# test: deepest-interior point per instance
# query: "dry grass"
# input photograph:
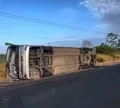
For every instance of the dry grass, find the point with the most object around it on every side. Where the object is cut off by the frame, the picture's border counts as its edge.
(2, 71)
(117, 56)
(2, 66)
(107, 58)
(104, 58)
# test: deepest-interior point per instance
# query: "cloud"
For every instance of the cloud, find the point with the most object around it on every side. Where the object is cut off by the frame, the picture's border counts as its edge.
(66, 43)
(65, 37)
(107, 11)
(77, 43)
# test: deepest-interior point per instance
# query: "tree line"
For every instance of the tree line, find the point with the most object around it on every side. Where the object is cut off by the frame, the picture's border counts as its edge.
(109, 47)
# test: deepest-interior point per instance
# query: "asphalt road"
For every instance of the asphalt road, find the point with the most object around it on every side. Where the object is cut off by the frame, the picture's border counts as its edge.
(97, 88)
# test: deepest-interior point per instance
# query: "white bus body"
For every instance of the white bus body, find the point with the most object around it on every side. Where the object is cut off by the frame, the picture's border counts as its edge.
(26, 62)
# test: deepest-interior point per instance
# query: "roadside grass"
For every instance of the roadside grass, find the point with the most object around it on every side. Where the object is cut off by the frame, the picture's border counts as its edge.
(117, 56)
(2, 58)
(104, 58)
(2, 66)
(2, 71)
(107, 58)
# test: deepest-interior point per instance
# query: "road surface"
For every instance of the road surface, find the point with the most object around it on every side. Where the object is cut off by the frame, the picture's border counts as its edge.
(97, 88)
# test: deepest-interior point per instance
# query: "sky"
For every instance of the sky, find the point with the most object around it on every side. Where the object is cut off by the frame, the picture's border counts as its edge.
(93, 18)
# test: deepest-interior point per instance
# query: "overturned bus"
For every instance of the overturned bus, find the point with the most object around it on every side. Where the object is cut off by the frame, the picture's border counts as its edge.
(34, 62)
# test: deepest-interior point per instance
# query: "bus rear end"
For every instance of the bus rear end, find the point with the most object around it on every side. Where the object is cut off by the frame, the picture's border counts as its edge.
(17, 61)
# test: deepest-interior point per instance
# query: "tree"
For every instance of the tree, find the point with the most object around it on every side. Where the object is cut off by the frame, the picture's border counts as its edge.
(118, 44)
(87, 44)
(112, 39)
(102, 44)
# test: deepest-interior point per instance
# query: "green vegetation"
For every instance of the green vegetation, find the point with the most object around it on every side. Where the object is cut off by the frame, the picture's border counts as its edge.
(111, 45)
(110, 50)
(105, 49)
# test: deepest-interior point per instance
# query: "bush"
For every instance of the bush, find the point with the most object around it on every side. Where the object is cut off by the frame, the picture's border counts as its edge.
(105, 49)
(104, 58)
(100, 59)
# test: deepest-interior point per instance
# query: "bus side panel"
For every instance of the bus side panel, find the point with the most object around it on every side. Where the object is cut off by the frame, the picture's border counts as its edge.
(65, 59)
